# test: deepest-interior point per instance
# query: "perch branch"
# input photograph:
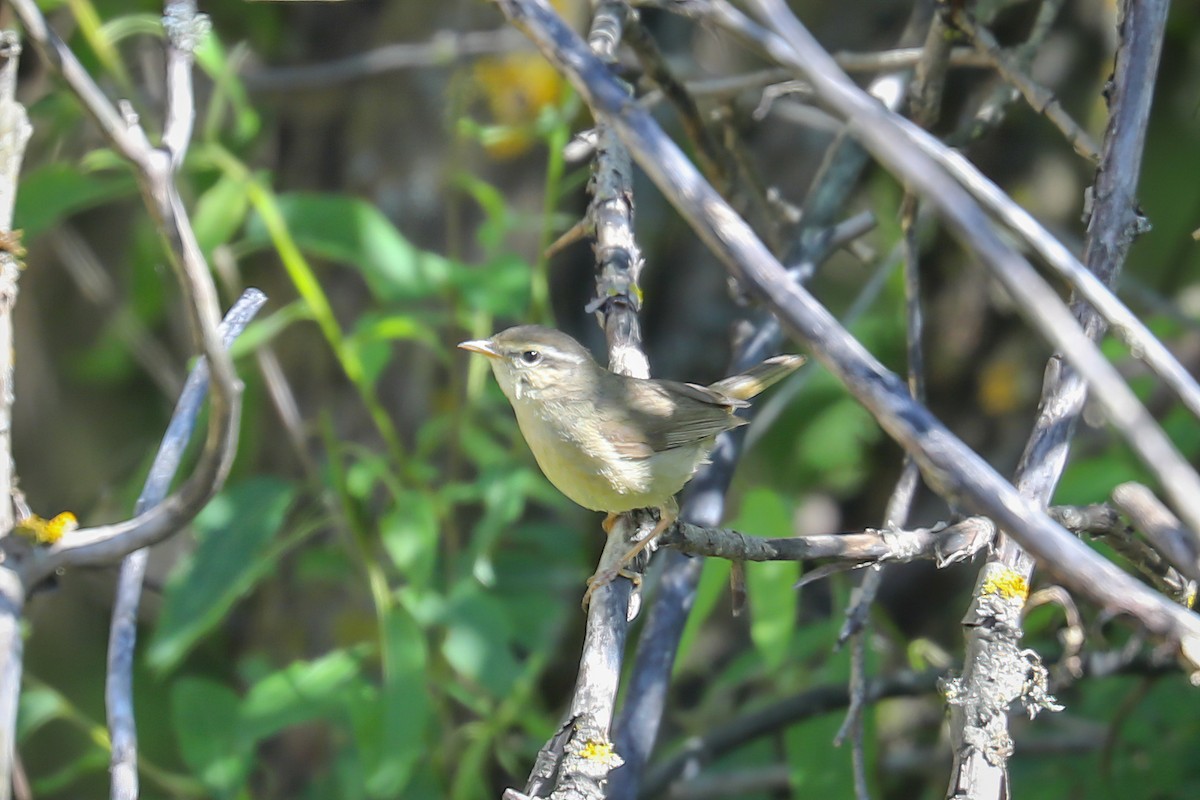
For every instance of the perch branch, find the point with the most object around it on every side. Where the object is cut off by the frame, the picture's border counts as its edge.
(952, 468)
(905, 149)
(587, 752)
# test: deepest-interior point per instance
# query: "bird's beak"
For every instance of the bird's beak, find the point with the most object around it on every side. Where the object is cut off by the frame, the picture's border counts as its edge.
(482, 346)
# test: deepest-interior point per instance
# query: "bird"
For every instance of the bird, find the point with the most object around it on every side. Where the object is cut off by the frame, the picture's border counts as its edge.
(611, 442)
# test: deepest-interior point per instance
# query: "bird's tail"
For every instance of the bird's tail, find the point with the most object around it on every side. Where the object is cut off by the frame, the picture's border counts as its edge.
(758, 378)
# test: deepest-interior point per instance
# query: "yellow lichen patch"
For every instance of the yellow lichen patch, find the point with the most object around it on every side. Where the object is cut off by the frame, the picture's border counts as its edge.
(1009, 584)
(597, 751)
(10, 242)
(47, 531)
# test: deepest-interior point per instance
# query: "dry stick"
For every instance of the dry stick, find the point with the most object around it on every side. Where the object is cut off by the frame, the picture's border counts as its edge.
(122, 637)
(896, 514)
(1040, 99)
(1104, 521)
(95, 284)
(587, 753)
(992, 109)
(637, 724)
(979, 722)
(14, 133)
(956, 471)
(944, 544)
(154, 169)
(1159, 525)
(917, 158)
(778, 716)
(899, 145)
(445, 48)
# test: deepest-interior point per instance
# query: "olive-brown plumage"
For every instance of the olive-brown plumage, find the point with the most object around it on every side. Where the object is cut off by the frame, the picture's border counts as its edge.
(611, 442)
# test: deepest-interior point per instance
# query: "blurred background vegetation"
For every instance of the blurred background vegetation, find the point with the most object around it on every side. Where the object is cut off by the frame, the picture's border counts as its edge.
(384, 600)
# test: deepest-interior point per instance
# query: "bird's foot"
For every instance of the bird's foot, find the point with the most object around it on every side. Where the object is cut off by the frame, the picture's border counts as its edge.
(603, 577)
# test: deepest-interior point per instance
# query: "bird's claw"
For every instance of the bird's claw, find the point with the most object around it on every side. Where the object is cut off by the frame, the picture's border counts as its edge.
(604, 577)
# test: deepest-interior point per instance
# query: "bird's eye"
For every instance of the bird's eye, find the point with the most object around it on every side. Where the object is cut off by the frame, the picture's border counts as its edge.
(531, 357)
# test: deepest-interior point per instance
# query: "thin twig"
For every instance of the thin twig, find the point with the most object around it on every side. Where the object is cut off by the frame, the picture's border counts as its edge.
(154, 168)
(715, 160)
(979, 723)
(898, 510)
(588, 755)
(778, 715)
(948, 464)
(1102, 521)
(118, 687)
(1040, 99)
(445, 48)
(1160, 526)
(945, 544)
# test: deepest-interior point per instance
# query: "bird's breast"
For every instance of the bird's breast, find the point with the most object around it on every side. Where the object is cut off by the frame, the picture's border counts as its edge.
(583, 464)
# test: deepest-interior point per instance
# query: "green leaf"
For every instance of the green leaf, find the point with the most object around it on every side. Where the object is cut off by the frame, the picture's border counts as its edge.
(261, 331)
(834, 443)
(302, 691)
(37, 708)
(390, 725)
(205, 718)
(353, 232)
(410, 536)
(501, 287)
(478, 640)
(769, 586)
(228, 90)
(119, 28)
(220, 212)
(714, 579)
(57, 190)
(815, 768)
(235, 530)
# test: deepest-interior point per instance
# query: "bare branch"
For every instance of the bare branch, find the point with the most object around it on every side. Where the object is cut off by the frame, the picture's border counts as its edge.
(122, 637)
(14, 133)
(979, 722)
(1040, 99)
(1160, 526)
(945, 544)
(779, 715)
(154, 168)
(587, 754)
(445, 48)
(953, 468)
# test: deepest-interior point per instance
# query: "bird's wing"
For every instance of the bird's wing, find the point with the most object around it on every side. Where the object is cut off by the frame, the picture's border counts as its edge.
(671, 414)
